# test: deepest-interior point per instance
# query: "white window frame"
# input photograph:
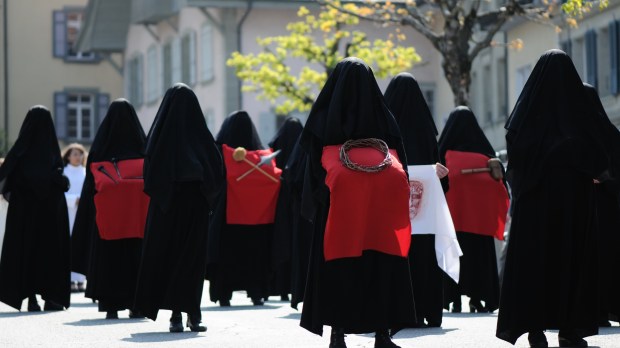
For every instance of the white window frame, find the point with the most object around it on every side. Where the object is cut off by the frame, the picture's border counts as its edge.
(79, 107)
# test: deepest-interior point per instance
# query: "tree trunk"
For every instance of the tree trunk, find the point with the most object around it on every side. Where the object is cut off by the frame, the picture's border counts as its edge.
(458, 74)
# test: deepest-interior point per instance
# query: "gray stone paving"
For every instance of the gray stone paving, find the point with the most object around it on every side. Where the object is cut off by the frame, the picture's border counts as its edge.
(273, 326)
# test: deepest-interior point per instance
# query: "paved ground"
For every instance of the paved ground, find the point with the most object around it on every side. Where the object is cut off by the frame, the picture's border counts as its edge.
(275, 325)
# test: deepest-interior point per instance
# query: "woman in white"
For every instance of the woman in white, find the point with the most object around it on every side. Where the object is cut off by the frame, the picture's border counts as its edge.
(74, 158)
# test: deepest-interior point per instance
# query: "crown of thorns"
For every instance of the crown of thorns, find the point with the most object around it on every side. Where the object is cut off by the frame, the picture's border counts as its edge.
(374, 143)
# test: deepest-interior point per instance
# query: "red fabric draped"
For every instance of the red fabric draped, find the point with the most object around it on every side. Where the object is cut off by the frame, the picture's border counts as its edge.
(478, 203)
(251, 200)
(368, 211)
(120, 201)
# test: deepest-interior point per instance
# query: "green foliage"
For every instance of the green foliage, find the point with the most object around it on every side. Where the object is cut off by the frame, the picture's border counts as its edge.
(317, 40)
(577, 8)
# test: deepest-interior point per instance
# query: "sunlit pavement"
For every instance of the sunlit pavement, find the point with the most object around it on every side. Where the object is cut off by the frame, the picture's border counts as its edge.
(242, 325)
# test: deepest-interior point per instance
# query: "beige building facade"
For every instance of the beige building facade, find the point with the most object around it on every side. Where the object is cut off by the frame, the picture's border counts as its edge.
(189, 41)
(43, 67)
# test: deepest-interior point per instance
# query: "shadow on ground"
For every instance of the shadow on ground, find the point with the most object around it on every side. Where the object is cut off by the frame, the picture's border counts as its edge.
(102, 321)
(151, 337)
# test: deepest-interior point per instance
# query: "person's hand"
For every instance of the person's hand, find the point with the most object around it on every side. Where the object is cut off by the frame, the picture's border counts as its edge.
(596, 181)
(77, 201)
(441, 170)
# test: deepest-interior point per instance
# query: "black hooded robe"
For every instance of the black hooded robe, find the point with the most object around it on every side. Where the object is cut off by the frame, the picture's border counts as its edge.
(550, 277)
(479, 278)
(281, 247)
(182, 176)
(608, 214)
(239, 255)
(358, 294)
(406, 102)
(36, 252)
(111, 266)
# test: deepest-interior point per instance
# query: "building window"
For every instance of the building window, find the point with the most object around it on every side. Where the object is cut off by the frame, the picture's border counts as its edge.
(135, 81)
(167, 66)
(67, 25)
(152, 84)
(521, 76)
(78, 114)
(188, 58)
(206, 53)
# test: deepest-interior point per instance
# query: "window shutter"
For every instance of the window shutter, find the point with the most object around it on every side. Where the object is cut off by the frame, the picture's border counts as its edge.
(192, 58)
(614, 58)
(206, 45)
(591, 58)
(103, 103)
(60, 114)
(176, 61)
(566, 46)
(60, 34)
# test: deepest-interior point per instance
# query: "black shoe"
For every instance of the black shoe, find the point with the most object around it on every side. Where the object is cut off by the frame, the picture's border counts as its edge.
(176, 322)
(51, 306)
(33, 305)
(336, 340)
(433, 323)
(604, 323)
(537, 339)
(111, 315)
(257, 301)
(476, 306)
(135, 315)
(383, 340)
(284, 298)
(194, 324)
(570, 339)
(224, 303)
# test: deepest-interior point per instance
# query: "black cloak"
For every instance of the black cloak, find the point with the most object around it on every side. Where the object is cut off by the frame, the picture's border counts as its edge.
(281, 247)
(35, 254)
(550, 277)
(406, 101)
(479, 277)
(361, 294)
(182, 176)
(111, 266)
(608, 213)
(239, 255)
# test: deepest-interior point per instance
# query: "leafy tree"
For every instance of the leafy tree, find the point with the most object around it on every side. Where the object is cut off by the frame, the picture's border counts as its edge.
(460, 29)
(322, 41)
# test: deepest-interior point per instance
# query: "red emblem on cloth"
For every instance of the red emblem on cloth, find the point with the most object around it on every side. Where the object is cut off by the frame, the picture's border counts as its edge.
(415, 198)
(252, 199)
(478, 203)
(368, 211)
(120, 201)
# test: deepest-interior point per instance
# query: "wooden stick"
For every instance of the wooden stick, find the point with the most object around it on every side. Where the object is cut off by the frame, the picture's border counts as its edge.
(475, 170)
(259, 169)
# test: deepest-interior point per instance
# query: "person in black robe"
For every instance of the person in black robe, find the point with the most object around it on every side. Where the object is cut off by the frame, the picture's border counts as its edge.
(479, 278)
(111, 266)
(406, 102)
(608, 214)
(550, 277)
(301, 228)
(281, 247)
(182, 176)
(372, 292)
(239, 255)
(36, 252)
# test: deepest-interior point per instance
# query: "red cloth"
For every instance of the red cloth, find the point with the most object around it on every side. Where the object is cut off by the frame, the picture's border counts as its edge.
(368, 211)
(478, 203)
(251, 200)
(120, 201)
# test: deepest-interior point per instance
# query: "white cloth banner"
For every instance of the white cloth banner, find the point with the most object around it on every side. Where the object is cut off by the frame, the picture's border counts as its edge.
(429, 214)
(4, 208)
